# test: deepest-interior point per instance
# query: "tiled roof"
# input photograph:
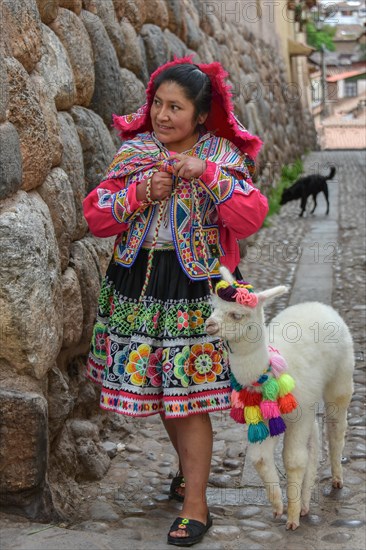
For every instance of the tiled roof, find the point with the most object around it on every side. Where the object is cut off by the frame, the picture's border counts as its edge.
(346, 74)
(339, 69)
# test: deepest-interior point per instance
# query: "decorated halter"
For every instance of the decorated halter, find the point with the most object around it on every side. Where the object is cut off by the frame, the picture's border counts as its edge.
(261, 403)
(238, 291)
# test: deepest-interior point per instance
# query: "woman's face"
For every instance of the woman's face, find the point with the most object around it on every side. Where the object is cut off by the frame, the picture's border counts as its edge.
(173, 118)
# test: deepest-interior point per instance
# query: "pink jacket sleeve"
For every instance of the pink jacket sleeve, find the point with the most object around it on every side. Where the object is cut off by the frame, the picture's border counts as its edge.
(110, 207)
(241, 209)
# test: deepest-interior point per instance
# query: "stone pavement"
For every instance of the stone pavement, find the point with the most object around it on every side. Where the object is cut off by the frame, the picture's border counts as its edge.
(318, 257)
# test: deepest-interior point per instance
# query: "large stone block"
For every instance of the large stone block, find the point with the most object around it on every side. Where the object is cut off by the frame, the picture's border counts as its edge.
(24, 454)
(71, 31)
(47, 10)
(93, 459)
(10, 160)
(133, 91)
(30, 286)
(4, 90)
(86, 266)
(101, 250)
(155, 46)
(25, 112)
(73, 5)
(177, 23)
(133, 59)
(97, 145)
(176, 47)
(57, 193)
(73, 164)
(73, 308)
(105, 10)
(195, 36)
(48, 106)
(108, 95)
(119, 7)
(56, 69)
(157, 13)
(60, 400)
(135, 12)
(23, 26)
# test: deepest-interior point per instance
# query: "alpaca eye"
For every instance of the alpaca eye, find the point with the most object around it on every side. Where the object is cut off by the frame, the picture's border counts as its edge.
(236, 316)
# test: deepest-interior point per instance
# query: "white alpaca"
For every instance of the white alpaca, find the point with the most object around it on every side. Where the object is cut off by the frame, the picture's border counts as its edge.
(318, 348)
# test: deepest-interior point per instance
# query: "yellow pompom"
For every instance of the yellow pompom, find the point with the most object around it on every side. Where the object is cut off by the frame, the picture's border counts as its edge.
(221, 284)
(252, 415)
(286, 384)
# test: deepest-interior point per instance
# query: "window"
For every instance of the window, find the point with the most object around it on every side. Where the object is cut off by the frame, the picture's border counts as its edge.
(350, 88)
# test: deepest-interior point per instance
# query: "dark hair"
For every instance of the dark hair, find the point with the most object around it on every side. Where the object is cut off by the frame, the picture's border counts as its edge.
(195, 84)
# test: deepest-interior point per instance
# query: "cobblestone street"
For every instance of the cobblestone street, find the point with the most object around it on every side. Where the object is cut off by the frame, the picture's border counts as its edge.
(318, 257)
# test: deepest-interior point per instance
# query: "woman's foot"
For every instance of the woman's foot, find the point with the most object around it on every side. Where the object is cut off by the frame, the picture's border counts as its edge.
(197, 513)
(186, 532)
(177, 487)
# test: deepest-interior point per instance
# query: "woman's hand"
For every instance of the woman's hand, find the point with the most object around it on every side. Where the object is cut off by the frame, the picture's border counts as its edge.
(160, 187)
(188, 167)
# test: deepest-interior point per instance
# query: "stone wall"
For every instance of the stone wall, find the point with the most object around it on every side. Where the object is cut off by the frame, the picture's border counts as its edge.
(65, 67)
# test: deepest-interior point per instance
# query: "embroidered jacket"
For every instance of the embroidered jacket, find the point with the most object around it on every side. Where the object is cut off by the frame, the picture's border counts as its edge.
(230, 208)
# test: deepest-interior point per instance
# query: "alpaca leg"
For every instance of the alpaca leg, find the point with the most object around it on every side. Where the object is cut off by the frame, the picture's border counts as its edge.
(310, 473)
(296, 458)
(262, 457)
(336, 424)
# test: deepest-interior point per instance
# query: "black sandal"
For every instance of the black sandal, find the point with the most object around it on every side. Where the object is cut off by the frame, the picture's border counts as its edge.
(177, 481)
(196, 531)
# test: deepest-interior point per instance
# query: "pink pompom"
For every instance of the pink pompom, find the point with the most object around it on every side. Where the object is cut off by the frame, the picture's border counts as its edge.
(278, 364)
(269, 409)
(246, 298)
(235, 399)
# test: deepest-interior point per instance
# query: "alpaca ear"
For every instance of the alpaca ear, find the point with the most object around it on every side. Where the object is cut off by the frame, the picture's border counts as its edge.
(226, 275)
(271, 293)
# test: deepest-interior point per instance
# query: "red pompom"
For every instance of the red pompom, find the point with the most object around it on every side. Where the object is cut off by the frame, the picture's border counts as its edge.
(237, 415)
(250, 398)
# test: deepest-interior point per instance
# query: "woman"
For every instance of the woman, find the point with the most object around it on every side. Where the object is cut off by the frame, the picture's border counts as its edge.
(178, 195)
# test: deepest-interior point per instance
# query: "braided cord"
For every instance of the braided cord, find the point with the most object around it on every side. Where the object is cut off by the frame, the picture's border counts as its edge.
(201, 233)
(162, 210)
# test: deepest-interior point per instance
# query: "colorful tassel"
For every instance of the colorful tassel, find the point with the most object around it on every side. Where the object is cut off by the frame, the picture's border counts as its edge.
(265, 401)
(252, 415)
(234, 383)
(257, 432)
(286, 384)
(269, 409)
(237, 415)
(235, 400)
(287, 403)
(250, 398)
(276, 426)
(278, 364)
(270, 389)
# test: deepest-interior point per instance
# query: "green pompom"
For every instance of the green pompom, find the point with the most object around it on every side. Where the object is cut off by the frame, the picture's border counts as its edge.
(270, 389)
(286, 384)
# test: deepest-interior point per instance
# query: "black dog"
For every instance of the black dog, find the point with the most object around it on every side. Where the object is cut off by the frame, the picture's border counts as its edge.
(309, 185)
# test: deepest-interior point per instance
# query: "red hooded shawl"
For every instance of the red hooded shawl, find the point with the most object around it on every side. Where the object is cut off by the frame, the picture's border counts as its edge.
(221, 120)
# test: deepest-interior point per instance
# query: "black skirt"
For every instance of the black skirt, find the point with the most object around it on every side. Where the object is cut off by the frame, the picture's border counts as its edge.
(152, 355)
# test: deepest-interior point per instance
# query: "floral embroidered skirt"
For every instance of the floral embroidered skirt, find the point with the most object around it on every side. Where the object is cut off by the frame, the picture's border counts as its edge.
(154, 356)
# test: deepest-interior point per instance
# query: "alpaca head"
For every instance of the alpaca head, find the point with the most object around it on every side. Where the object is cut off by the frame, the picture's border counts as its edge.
(238, 310)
